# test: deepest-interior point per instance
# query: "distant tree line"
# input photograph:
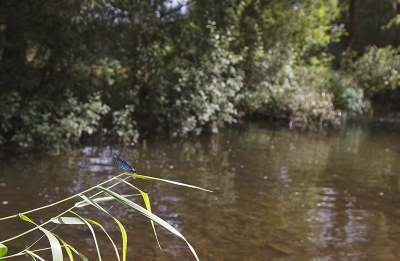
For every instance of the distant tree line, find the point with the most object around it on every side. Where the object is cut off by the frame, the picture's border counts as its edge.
(122, 68)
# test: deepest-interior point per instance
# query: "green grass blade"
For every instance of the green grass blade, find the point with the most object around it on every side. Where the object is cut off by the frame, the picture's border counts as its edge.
(66, 247)
(93, 203)
(54, 243)
(84, 221)
(3, 250)
(146, 200)
(84, 258)
(99, 200)
(124, 238)
(78, 220)
(68, 221)
(164, 180)
(109, 237)
(149, 215)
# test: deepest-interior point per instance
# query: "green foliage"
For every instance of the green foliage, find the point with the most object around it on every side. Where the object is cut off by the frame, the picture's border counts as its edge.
(204, 91)
(348, 96)
(124, 124)
(176, 68)
(377, 69)
(3, 250)
(57, 128)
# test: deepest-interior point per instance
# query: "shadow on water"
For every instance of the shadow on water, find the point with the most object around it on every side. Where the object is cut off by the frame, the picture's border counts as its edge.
(278, 195)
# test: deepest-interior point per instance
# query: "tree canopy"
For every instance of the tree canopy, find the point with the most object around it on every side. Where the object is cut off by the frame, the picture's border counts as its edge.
(125, 68)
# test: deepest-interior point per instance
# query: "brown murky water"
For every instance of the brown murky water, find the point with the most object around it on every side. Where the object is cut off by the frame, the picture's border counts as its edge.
(278, 195)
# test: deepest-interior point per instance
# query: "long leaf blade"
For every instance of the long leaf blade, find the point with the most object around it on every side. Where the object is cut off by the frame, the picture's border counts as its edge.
(54, 243)
(124, 238)
(84, 221)
(78, 220)
(150, 215)
(93, 203)
(164, 180)
(146, 200)
(84, 258)
(68, 221)
(109, 237)
(84, 203)
(66, 247)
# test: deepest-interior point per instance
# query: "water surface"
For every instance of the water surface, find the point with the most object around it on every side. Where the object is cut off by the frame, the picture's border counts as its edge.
(278, 194)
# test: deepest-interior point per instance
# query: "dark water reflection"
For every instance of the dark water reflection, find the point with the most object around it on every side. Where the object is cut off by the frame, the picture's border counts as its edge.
(278, 195)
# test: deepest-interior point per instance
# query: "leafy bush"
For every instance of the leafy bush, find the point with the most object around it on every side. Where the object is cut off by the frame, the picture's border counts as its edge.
(204, 92)
(348, 96)
(285, 87)
(124, 125)
(376, 69)
(55, 126)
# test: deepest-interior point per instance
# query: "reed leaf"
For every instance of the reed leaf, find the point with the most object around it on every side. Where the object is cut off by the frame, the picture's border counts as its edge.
(84, 221)
(3, 250)
(79, 221)
(54, 243)
(93, 203)
(150, 215)
(134, 175)
(84, 203)
(84, 258)
(147, 204)
(124, 238)
(66, 247)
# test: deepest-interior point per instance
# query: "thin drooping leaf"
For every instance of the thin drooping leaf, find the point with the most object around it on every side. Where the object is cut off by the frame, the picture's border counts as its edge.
(93, 203)
(3, 250)
(150, 215)
(109, 237)
(68, 249)
(82, 221)
(148, 206)
(99, 200)
(164, 180)
(124, 238)
(54, 243)
(78, 221)
(84, 258)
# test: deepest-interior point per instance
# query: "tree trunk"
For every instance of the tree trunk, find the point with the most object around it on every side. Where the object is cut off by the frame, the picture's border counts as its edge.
(352, 29)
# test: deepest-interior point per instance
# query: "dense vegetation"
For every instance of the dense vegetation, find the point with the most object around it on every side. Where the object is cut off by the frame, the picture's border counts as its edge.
(124, 68)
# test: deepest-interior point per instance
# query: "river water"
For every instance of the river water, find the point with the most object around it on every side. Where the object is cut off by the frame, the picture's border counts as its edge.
(277, 195)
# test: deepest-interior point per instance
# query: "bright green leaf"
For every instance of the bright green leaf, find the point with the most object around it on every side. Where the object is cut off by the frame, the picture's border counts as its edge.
(99, 200)
(124, 238)
(148, 206)
(165, 180)
(54, 243)
(150, 215)
(3, 250)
